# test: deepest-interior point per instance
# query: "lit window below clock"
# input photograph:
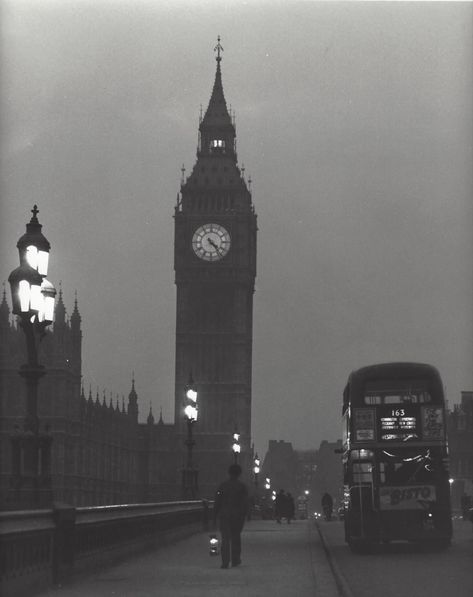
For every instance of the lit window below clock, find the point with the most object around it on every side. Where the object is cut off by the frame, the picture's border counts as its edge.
(217, 144)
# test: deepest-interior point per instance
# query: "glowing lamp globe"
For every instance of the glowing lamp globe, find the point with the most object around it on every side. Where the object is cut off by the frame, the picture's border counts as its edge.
(49, 294)
(191, 395)
(191, 412)
(25, 283)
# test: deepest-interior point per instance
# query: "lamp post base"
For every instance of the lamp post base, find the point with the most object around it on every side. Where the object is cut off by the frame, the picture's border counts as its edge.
(190, 488)
(30, 482)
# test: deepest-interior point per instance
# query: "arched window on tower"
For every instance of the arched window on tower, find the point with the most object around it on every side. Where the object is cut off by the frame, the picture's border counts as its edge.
(217, 145)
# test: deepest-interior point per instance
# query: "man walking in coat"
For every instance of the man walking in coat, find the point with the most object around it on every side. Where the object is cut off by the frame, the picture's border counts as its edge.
(231, 507)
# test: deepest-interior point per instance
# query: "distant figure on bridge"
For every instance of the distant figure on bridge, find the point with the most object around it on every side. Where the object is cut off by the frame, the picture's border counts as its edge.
(280, 505)
(291, 508)
(231, 508)
(327, 506)
(466, 504)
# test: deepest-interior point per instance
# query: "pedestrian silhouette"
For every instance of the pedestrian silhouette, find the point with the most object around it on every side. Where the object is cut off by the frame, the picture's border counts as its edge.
(291, 508)
(231, 508)
(279, 505)
(327, 505)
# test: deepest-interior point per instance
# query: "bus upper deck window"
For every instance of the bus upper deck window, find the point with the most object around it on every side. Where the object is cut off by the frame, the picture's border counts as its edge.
(407, 398)
(373, 399)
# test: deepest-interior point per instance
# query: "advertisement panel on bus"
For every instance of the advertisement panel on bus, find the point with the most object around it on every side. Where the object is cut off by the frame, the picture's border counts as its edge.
(408, 497)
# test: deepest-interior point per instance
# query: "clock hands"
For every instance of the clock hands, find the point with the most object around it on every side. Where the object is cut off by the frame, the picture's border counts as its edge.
(218, 248)
(211, 242)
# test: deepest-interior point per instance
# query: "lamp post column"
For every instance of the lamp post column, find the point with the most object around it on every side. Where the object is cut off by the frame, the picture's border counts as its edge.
(236, 447)
(256, 471)
(33, 303)
(190, 472)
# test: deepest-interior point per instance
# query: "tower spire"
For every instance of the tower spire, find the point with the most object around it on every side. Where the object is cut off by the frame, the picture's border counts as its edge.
(217, 114)
(218, 48)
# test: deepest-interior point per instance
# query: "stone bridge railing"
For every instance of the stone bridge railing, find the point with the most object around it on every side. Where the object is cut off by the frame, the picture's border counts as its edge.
(40, 548)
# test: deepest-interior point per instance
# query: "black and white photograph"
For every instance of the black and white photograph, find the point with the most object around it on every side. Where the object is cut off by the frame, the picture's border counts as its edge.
(236, 312)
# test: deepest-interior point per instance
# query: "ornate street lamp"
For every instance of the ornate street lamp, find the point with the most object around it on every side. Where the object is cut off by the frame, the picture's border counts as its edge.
(236, 447)
(190, 473)
(33, 302)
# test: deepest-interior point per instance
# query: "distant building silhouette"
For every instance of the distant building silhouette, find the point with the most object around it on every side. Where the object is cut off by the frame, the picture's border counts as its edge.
(460, 443)
(280, 465)
(328, 475)
(298, 471)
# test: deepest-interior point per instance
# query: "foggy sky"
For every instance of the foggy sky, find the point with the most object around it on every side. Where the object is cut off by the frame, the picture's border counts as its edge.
(354, 122)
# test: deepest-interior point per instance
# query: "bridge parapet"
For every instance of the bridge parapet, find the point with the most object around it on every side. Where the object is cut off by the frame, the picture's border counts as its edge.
(39, 548)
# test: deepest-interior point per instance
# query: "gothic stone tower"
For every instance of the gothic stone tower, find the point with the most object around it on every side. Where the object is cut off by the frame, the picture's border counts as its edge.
(215, 268)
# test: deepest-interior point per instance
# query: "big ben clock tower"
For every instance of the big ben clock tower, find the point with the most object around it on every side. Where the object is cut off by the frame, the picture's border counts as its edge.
(215, 267)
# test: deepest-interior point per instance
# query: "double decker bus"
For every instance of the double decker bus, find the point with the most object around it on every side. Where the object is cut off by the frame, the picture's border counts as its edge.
(395, 456)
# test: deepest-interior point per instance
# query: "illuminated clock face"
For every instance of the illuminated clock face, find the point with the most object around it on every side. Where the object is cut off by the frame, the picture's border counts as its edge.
(211, 242)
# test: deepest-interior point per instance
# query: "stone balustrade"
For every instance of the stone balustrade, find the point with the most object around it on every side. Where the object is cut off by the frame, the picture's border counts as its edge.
(40, 548)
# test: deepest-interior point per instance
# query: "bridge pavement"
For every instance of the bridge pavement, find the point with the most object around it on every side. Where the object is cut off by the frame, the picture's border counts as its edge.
(277, 561)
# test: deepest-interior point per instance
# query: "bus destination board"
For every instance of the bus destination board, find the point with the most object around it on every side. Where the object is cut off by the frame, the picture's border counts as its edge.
(398, 423)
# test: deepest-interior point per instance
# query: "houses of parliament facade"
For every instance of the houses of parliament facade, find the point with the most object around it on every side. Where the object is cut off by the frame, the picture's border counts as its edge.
(100, 452)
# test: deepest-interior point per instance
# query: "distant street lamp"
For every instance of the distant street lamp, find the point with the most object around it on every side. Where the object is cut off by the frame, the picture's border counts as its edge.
(33, 302)
(256, 470)
(236, 447)
(190, 473)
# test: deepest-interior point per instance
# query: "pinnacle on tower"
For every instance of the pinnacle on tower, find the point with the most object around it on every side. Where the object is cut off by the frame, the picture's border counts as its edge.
(133, 399)
(75, 317)
(60, 309)
(150, 419)
(4, 311)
